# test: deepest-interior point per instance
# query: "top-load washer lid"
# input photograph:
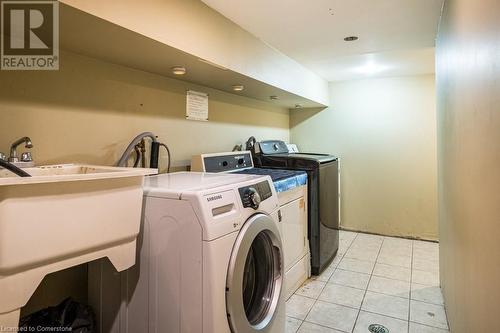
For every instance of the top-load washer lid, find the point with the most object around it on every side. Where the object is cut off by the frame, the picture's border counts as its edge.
(278, 149)
(173, 185)
(321, 158)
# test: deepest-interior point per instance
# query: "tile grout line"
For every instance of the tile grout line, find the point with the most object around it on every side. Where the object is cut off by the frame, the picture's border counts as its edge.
(355, 308)
(341, 257)
(411, 281)
(343, 285)
(328, 327)
(315, 301)
(386, 316)
(366, 290)
(442, 305)
(350, 244)
(434, 327)
(369, 311)
(326, 282)
(359, 310)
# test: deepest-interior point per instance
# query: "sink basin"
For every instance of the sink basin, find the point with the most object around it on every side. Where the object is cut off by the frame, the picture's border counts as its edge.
(69, 172)
(62, 216)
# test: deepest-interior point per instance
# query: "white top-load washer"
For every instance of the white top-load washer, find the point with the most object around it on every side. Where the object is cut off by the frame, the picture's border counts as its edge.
(210, 260)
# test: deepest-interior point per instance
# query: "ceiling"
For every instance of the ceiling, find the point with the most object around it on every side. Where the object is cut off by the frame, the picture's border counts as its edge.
(395, 37)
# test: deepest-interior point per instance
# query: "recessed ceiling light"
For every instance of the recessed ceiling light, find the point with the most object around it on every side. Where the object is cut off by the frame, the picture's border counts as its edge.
(351, 38)
(273, 97)
(178, 70)
(237, 87)
(371, 68)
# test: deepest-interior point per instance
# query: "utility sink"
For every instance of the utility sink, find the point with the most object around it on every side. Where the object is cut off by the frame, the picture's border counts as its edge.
(69, 172)
(62, 216)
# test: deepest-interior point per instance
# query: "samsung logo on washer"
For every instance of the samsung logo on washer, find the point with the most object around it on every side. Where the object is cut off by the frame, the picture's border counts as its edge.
(215, 197)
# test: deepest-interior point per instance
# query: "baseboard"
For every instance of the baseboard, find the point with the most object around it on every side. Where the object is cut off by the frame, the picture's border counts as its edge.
(378, 234)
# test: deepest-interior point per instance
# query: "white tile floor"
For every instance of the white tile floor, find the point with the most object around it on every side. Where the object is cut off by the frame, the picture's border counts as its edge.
(389, 281)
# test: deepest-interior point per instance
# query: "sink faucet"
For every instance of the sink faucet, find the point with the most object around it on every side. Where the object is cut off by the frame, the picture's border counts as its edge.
(137, 140)
(13, 158)
(13, 168)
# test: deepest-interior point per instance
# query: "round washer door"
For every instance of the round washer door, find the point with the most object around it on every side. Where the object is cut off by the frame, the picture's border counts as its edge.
(255, 276)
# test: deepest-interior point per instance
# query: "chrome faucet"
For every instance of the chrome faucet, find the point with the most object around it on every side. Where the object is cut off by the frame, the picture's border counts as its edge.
(26, 157)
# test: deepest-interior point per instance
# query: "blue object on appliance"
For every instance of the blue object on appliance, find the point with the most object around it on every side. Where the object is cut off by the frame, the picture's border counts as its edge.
(284, 180)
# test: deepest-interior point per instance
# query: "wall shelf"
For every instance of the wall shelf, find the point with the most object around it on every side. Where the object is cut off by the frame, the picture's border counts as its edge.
(85, 34)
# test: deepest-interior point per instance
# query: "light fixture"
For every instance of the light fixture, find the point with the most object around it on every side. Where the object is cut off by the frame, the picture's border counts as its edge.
(298, 106)
(178, 70)
(238, 87)
(370, 68)
(273, 97)
(351, 38)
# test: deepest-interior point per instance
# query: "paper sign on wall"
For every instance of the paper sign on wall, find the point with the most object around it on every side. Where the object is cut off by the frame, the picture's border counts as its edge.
(196, 106)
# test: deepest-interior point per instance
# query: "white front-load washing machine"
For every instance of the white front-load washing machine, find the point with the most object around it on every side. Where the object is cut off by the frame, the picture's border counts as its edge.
(209, 260)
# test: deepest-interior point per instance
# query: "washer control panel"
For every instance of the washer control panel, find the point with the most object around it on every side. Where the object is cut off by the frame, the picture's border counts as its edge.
(270, 147)
(253, 195)
(227, 161)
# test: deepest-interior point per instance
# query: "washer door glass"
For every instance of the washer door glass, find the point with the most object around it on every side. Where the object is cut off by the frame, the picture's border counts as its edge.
(258, 278)
(255, 276)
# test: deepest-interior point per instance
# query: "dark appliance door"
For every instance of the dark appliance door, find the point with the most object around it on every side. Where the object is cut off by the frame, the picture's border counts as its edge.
(328, 213)
(323, 204)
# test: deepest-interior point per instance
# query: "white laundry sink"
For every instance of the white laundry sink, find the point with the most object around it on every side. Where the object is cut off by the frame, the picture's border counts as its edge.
(62, 216)
(69, 172)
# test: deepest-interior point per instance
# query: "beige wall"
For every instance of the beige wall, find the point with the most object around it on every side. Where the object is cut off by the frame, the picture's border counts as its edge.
(468, 88)
(90, 110)
(384, 131)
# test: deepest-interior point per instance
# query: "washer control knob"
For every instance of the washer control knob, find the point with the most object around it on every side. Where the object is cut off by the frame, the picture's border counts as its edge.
(254, 197)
